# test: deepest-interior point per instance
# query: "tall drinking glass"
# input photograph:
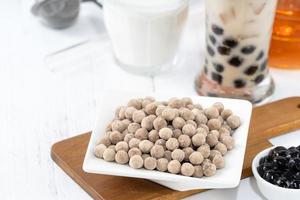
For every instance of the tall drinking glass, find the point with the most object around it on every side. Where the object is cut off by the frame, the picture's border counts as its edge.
(145, 34)
(238, 35)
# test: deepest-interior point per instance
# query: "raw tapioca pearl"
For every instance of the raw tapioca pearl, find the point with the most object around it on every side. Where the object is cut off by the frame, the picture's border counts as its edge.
(217, 29)
(210, 51)
(248, 49)
(223, 50)
(212, 39)
(239, 83)
(259, 79)
(236, 61)
(260, 55)
(263, 66)
(217, 77)
(251, 70)
(230, 42)
(218, 67)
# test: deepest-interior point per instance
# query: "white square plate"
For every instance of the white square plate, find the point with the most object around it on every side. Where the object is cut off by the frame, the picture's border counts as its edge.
(227, 177)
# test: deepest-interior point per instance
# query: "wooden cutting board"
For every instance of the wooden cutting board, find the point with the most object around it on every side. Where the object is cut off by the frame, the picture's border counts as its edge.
(267, 121)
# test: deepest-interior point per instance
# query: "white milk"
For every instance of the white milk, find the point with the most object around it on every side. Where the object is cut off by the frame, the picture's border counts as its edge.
(145, 33)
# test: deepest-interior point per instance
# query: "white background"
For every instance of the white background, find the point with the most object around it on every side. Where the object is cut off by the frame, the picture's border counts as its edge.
(45, 98)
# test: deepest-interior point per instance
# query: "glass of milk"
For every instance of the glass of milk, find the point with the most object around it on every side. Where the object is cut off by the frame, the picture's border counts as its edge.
(145, 34)
(238, 34)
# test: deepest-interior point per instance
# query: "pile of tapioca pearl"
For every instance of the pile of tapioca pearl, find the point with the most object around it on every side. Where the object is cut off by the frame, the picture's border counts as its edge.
(176, 136)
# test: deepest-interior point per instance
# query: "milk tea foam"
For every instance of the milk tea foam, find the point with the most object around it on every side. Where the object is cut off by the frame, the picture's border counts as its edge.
(145, 33)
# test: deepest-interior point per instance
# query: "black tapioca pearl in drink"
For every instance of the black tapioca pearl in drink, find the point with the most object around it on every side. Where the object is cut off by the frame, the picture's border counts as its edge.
(210, 51)
(217, 29)
(217, 77)
(230, 42)
(236, 61)
(251, 70)
(260, 55)
(248, 49)
(239, 83)
(212, 94)
(223, 50)
(259, 79)
(205, 69)
(218, 67)
(212, 39)
(264, 65)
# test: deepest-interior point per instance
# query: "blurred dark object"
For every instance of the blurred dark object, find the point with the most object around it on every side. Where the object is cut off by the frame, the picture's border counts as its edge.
(285, 45)
(57, 14)
(94, 1)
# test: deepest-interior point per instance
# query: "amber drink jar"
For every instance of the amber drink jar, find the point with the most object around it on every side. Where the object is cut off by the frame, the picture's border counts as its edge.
(285, 45)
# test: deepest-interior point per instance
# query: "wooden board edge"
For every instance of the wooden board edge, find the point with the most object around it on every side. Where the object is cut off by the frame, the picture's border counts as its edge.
(68, 170)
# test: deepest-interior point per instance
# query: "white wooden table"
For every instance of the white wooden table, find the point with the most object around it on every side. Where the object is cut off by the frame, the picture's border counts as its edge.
(47, 96)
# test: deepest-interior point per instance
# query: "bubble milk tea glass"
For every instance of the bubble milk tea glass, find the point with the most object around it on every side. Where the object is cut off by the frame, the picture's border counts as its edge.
(145, 34)
(237, 43)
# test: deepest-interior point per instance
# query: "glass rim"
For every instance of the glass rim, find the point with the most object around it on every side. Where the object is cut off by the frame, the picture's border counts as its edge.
(156, 7)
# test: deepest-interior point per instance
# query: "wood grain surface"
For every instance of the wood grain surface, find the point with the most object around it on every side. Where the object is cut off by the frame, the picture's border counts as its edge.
(267, 121)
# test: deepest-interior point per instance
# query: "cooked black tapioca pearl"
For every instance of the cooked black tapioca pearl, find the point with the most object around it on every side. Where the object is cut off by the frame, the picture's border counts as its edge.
(239, 83)
(264, 65)
(281, 162)
(288, 174)
(251, 70)
(205, 69)
(230, 42)
(273, 178)
(277, 151)
(297, 175)
(283, 182)
(295, 184)
(236, 61)
(248, 49)
(217, 77)
(292, 149)
(291, 164)
(212, 39)
(270, 176)
(260, 55)
(210, 50)
(294, 164)
(218, 67)
(281, 167)
(223, 50)
(259, 79)
(260, 170)
(217, 29)
(292, 152)
(262, 160)
(268, 166)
